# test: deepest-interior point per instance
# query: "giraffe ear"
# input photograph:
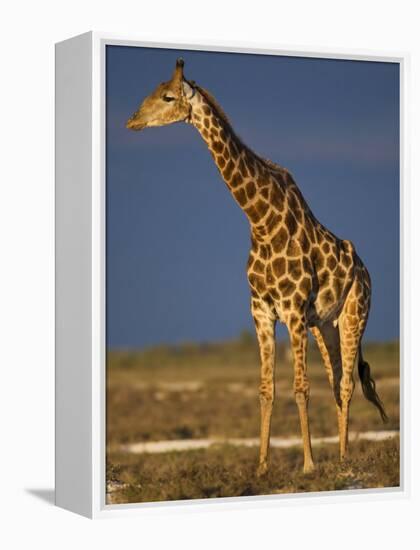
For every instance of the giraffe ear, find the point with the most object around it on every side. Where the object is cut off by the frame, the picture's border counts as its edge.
(187, 90)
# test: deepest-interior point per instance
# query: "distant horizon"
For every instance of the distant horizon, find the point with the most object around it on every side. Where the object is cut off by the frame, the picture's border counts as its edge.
(177, 243)
(199, 343)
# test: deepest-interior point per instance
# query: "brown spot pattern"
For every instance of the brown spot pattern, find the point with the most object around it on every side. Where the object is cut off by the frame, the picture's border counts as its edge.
(279, 240)
(291, 223)
(250, 189)
(262, 208)
(286, 287)
(331, 262)
(236, 180)
(227, 173)
(240, 196)
(242, 168)
(279, 266)
(218, 146)
(294, 269)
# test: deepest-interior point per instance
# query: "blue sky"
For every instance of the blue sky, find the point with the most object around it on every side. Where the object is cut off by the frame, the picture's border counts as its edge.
(177, 243)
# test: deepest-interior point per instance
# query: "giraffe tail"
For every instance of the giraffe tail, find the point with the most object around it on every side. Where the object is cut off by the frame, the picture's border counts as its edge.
(368, 386)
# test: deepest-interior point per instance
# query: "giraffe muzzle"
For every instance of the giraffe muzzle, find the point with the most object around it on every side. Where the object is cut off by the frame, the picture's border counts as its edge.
(135, 124)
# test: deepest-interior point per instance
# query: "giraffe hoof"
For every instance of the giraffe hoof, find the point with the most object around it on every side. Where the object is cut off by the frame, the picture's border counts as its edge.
(262, 469)
(308, 468)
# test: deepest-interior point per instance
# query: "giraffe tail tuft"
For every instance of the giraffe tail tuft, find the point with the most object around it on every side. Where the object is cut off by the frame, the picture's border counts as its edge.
(368, 386)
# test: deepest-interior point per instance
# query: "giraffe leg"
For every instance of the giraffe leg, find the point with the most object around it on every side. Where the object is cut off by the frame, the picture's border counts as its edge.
(265, 321)
(299, 340)
(327, 338)
(351, 322)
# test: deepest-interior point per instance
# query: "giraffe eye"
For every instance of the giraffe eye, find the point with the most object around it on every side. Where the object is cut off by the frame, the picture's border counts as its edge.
(168, 98)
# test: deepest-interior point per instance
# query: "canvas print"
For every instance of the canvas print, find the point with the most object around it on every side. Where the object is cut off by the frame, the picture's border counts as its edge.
(252, 274)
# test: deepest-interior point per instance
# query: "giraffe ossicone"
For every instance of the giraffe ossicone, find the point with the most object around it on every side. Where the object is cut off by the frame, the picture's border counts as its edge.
(299, 272)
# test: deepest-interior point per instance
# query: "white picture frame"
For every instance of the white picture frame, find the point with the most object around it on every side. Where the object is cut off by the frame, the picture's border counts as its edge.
(80, 278)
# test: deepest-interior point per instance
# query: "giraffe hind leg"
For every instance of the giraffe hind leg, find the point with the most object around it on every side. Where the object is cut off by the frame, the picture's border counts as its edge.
(327, 338)
(351, 322)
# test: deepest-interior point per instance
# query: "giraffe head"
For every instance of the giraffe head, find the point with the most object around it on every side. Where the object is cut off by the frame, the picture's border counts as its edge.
(167, 104)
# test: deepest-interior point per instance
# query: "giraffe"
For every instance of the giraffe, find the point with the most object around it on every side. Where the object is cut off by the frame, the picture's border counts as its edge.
(299, 272)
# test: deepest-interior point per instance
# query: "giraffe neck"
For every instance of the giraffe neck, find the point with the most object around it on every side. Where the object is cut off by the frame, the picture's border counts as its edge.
(250, 180)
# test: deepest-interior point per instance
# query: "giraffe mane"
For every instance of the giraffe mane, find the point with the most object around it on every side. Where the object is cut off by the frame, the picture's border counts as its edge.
(209, 97)
(271, 164)
(213, 103)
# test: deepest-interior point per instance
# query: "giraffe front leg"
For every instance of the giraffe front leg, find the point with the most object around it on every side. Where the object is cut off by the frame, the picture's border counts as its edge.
(265, 321)
(299, 341)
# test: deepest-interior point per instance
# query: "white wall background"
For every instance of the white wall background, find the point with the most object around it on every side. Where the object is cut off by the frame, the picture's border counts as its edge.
(28, 32)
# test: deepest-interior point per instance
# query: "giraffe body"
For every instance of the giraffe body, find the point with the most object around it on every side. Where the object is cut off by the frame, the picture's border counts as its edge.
(299, 272)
